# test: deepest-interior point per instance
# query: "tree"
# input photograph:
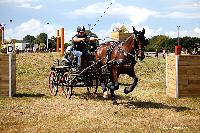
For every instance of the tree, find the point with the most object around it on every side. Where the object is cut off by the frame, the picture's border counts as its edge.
(88, 32)
(159, 42)
(150, 48)
(170, 44)
(67, 44)
(42, 46)
(42, 38)
(17, 41)
(37, 41)
(29, 39)
(52, 42)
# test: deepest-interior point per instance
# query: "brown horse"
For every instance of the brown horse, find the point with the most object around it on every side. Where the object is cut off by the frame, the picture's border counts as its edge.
(119, 58)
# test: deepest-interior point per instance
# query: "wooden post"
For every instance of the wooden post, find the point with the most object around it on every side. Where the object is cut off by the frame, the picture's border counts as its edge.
(177, 54)
(57, 41)
(177, 85)
(2, 36)
(7, 75)
(62, 41)
(171, 75)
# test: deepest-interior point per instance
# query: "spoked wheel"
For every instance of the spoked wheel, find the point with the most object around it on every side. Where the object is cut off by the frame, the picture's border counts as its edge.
(53, 86)
(68, 85)
(92, 89)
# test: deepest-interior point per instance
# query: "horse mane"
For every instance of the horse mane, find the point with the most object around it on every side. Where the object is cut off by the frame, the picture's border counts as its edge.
(127, 39)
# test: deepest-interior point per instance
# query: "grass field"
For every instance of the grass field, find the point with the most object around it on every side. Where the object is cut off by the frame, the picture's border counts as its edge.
(146, 109)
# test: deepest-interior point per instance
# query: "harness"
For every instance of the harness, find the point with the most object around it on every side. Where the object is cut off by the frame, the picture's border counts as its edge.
(109, 51)
(129, 57)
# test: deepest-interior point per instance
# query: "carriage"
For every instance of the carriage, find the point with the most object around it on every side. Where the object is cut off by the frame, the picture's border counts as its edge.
(103, 66)
(67, 74)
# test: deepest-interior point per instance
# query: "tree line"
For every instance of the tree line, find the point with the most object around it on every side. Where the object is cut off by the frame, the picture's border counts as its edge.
(41, 40)
(158, 42)
(161, 42)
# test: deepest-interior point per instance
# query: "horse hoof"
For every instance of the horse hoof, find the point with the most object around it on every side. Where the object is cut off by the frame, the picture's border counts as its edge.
(105, 94)
(126, 91)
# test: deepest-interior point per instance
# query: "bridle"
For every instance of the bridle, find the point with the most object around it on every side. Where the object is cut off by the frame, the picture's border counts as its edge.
(138, 41)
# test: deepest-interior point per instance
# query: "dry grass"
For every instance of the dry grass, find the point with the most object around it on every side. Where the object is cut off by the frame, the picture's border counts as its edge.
(146, 109)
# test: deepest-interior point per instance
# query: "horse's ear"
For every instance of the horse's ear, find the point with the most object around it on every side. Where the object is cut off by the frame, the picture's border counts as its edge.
(133, 28)
(143, 31)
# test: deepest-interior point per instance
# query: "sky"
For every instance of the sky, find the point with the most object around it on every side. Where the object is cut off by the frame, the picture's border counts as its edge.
(158, 17)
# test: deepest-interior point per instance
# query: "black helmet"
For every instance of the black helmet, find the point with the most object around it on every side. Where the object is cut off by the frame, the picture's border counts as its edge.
(78, 29)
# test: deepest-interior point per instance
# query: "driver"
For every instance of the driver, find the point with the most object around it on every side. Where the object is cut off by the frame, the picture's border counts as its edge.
(80, 42)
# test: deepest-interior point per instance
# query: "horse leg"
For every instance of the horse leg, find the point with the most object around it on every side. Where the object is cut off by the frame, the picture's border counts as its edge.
(105, 92)
(134, 83)
(131, 87)
(115, 74)
(113, 96)
(103, 83)
(114, 84)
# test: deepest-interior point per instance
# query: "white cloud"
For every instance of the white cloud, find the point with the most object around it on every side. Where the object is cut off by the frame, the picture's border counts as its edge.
(69, 0)
(16, 1)
(28, 5)
(103, 34)
(182, 33)
(150, 32)
(177, 14)
(23, 3)
(135, 14)
(106, 33)
(188, 5)
(88, 11)
(35, 27)
(197, 30)
(31, 27)
(69, 34)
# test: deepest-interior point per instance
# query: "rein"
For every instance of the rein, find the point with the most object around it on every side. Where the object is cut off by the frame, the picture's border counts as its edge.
(126, 53)
(119, 49)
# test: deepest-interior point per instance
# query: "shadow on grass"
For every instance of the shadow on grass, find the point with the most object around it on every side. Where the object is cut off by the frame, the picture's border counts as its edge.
(149, 104)
(130, 103)
(98, 96)
(38, 95)
(89, 96)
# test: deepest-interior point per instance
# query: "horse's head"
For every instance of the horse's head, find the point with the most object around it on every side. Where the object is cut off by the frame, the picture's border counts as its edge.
(141, 42)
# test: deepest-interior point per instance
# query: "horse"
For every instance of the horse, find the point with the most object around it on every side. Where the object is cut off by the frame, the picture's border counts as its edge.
(119, 58)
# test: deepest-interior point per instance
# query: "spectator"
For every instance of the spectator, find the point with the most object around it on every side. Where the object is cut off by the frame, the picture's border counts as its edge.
(163, 53)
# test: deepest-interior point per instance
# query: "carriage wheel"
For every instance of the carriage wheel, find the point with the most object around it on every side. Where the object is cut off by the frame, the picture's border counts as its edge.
(68, 87)
(93, 89)
(53, 87)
